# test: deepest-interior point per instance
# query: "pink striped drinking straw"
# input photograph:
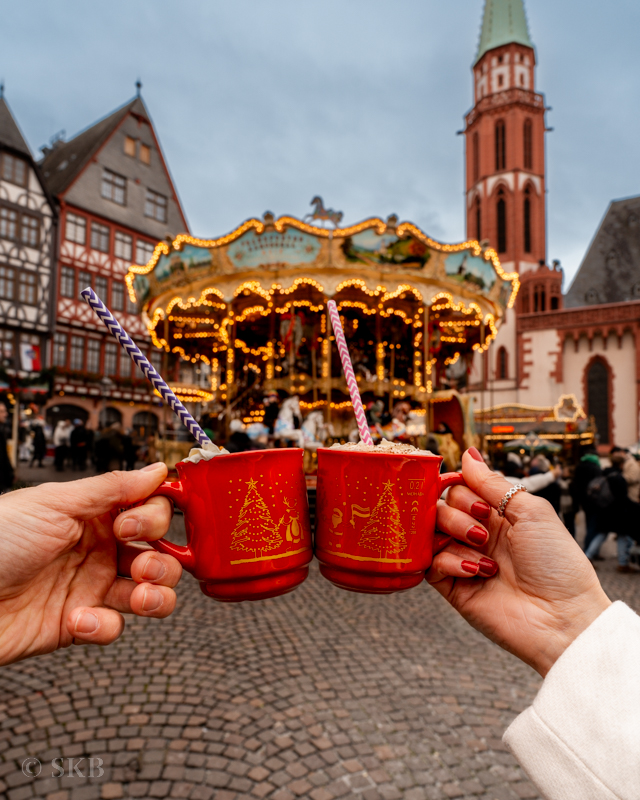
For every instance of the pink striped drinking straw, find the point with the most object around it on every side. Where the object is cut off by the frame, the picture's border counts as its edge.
(349, 375)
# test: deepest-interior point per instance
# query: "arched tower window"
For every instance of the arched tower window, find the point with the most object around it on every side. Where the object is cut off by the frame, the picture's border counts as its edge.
(524, 299)
(598, 399)
(528, 145)
(501, 145)
(476, 156)
(503, 364)
(501, 215)
(478, 215)
(539, 298)
(527, 220)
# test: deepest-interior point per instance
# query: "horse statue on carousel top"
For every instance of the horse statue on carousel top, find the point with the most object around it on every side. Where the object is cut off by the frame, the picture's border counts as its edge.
(322, 213)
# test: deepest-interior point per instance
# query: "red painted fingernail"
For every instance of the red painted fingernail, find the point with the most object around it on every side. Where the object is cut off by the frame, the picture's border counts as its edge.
(470, 566)
(487, 567)
(481, 510)
(477, 535)
(475, 454)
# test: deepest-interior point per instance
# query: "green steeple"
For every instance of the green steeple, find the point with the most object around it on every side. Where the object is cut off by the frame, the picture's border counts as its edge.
(504, 22)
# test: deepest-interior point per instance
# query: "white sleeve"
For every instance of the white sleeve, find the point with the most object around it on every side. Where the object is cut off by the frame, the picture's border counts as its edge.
(580, 740)
(533, 483)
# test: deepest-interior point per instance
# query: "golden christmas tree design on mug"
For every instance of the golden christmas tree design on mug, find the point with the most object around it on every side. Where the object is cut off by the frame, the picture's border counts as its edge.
(255, 531)
(384, 532)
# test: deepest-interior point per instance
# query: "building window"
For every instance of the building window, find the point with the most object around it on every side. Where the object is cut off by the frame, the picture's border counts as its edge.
(539, 298)
(93, 356)
(155, 206)
(528, 152)
(524, 300)
(527, 221)
(30, 230)
(8, 223)
(6, 348)
(144, 251)
(598, 400)
(503, 364)
(132, 308)
(501, 145)
(67, 282)
(102, 286)
(14, 169)
(123, 246)
(130, 146)
(501, 214)
(110, 356)
(99, 237)
(77, 352)
(125, 364)
(117, 296)
(84, 281)
(145, 154)
(75, 229)
(60, 350)
(476, 156)
(555, 302)
(27, 288)
(114, 187)
(478, 220)
(156, 359)
(7, 283)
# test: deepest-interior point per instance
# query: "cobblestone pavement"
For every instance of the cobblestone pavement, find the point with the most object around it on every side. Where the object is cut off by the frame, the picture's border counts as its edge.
(318, 694)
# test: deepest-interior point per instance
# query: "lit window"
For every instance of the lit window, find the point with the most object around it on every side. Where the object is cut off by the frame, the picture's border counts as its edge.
(68, 282)
(129, 146)
(144, 251)
(155, 206)
(30, 230)
(102, 285)
(14, 169)
(123, 246)
(114, 187)
(77, 352)
(145, 154)
(60, 350)
(76, 229)
(117, 296)
(110, 356)
(99, 237)
(7, 283)
(27, 288)
(93, 355)
(8, 223)
(84, 281)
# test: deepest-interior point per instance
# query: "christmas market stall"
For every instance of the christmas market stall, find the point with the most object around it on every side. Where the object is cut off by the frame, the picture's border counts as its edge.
(246, 315)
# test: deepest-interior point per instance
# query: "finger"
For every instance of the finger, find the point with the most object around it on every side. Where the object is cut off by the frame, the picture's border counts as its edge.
(143, 599)
(144, 523)
(91, 497)
(94, 625)
(490, 486)
(463, 498)
(461, 526)
(465, 564)
(156, 568)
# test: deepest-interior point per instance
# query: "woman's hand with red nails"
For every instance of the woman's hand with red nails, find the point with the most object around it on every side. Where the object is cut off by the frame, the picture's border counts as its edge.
(68, 565)
(533, 591)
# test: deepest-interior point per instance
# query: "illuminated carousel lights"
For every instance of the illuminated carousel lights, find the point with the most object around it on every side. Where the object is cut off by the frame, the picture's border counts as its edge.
(452, 360)
(358, 283)
(356, 304)
(405, 287)
(189, 394)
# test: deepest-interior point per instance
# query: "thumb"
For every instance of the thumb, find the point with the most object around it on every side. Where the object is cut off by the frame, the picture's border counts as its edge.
(479, 478)
(92, 497)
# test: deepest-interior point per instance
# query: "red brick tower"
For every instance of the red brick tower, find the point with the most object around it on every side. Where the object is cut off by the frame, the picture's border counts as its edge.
(505, 158)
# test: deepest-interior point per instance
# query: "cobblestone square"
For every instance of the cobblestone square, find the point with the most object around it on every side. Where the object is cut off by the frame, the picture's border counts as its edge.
(320, 694)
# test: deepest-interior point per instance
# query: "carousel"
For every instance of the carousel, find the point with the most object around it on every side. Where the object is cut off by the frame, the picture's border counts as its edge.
(246, 316)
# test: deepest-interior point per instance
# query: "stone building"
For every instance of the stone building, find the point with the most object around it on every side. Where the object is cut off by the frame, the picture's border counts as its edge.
(116, 199)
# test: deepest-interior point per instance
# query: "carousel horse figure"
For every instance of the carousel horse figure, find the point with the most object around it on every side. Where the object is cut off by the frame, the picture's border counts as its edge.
(322, 213)
(315, 430)
(288, 423)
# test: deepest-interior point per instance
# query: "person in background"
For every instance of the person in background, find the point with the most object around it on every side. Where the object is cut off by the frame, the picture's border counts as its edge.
(513, 472)
(567, 503)
(587, 469)
(540, 465)
(78, 441)
(630, 472)
(129, 451)
(39, 442)
(6, 469)
(61, 437)
(239, 441)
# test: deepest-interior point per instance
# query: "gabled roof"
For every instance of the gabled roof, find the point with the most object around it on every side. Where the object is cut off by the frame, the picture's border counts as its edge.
(503, 22)
(63, 162)
(10, 134)
(610, 270)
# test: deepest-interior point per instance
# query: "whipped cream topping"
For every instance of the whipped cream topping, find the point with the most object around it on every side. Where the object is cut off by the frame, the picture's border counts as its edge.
(206, 453)
(385, 447)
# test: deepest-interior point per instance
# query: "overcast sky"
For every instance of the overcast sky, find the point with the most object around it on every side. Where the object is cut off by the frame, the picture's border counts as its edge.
(261, 105)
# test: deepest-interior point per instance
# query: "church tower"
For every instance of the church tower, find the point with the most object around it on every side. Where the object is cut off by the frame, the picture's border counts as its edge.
(504, 134)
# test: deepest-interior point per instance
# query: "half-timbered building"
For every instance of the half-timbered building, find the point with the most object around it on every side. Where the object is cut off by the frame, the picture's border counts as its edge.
(116, 200)
(27, 244)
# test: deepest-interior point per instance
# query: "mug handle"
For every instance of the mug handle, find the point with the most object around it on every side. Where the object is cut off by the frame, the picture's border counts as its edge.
(174, 491)
(442, 540)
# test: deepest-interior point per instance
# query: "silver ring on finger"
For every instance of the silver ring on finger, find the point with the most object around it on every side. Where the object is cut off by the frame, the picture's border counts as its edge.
(505, 500)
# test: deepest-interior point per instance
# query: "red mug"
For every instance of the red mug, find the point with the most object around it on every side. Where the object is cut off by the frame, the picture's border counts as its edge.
(376, 517)
(247, 522)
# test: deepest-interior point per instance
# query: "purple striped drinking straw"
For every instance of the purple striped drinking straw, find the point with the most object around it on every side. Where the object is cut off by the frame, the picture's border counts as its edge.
(119, 333)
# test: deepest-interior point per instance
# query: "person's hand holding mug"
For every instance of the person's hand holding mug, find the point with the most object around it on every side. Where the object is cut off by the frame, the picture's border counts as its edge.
(68, 568)
(544, 592)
